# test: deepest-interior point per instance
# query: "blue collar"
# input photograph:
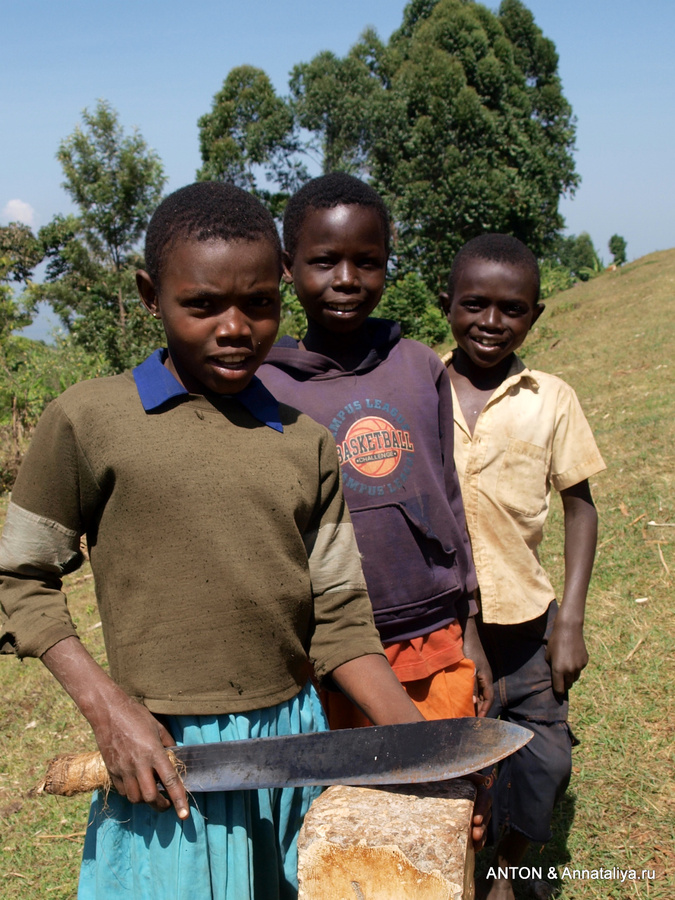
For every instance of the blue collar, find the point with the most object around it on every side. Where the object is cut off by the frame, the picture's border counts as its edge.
(156, 385)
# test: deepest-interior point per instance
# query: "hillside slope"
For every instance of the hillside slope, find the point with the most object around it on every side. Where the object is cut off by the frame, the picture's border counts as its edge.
(613, 339)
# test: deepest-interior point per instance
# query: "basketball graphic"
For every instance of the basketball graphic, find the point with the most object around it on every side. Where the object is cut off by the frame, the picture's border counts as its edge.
(374, 447)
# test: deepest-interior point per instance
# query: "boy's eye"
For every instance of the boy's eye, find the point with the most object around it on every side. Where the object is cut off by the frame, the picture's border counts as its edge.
(472, 305)
(370, 262)
(198, 303)
(261, 302)
(515, 310)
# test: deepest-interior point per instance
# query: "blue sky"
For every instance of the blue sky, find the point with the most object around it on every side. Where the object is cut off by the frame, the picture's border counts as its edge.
(159, 63)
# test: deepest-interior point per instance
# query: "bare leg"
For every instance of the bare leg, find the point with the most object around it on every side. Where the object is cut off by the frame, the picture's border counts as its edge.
(509, 852)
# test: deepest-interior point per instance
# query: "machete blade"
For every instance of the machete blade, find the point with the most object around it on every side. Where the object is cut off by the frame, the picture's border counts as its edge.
(384, 754)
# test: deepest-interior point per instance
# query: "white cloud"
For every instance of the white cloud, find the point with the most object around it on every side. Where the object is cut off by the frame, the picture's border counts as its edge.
(19, 211)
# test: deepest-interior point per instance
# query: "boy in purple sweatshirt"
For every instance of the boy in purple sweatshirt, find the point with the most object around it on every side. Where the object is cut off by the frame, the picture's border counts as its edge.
(388, 403)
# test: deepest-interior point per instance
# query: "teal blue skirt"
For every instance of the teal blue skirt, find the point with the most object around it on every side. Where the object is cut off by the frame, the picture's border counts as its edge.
(236, 845)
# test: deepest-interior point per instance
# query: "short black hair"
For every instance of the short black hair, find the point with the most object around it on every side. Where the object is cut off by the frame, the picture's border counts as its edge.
(206, 211)
(326, 192)
(501, 248)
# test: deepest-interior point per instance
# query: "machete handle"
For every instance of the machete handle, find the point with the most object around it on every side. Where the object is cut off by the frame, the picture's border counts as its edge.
(80, 773)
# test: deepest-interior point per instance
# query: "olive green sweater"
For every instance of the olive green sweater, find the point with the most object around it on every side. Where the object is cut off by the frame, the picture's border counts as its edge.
(223, 555)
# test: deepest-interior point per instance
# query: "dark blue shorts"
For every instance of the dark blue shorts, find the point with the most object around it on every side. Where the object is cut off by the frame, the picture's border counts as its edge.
(533, 779)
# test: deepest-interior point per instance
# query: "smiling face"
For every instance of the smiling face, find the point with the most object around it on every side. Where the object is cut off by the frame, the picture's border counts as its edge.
(219, 304)
(493, 307)
(339, 266)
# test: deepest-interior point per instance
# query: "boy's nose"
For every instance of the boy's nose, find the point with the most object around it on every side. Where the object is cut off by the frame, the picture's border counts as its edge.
(490, 317)
(232, 323)
(345, 275)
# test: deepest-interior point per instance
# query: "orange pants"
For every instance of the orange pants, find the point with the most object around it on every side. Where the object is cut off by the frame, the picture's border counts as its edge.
(447, 694)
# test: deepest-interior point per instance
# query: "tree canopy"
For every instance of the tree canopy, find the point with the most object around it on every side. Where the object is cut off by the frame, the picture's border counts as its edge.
(617, 247)
(249, 126)
(459, 120)
(116, 182)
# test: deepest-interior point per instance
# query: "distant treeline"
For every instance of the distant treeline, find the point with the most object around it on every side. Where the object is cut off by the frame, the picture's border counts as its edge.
(459, 121)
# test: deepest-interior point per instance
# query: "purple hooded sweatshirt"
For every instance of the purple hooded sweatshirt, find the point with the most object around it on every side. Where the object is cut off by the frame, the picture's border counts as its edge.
(391, 418)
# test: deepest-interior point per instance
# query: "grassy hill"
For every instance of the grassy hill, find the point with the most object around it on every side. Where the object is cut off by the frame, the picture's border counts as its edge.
(613, 339)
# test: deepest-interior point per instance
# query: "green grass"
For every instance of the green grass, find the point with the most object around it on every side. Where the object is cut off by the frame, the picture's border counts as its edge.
(613, 339)
(41, 839)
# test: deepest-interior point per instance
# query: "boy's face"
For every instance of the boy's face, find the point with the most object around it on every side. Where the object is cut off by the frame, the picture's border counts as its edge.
(339, 266)
(219, 304)
(493, 307)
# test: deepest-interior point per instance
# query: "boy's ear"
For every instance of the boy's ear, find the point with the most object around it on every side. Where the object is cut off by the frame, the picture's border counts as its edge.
(538, 310)
(146, 291)
(286, 263)
(445, 301)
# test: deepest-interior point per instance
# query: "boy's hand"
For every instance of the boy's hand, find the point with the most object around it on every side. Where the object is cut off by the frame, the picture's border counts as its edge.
(482, 808)
(473, 650)
(129, 737)
(132, 743)
(566, 654)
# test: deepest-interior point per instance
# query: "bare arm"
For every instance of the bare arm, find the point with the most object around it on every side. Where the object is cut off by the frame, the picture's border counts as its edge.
(370, 683)
(129, 737)
(566, 647)
(473, 650)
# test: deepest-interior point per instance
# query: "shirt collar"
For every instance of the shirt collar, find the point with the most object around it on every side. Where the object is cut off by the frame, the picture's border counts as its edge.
(520, 371)
(156, 385)
(517, 371)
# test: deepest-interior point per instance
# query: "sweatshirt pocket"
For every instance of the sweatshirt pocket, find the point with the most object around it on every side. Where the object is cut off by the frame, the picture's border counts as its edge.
(406, 564)
(522, 483)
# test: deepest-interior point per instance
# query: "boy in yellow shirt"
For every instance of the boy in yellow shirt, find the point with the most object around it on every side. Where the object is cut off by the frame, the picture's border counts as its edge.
(517, 432)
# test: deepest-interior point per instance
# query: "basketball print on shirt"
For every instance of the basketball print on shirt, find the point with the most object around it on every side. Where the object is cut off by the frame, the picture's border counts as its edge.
(375, 450)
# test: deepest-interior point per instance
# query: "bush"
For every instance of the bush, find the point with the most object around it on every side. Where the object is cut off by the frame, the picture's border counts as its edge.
(410, 302)
(31, 375)
(617, 247)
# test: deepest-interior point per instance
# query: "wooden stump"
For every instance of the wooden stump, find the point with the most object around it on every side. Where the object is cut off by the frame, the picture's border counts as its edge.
(409, 842)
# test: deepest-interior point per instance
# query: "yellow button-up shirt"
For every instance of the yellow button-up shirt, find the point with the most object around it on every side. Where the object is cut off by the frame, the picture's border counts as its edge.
(531, 434)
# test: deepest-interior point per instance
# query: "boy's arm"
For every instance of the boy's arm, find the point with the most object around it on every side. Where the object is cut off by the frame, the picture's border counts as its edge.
(566, 650)
(129, 737)
(473, 650)
(371, 684)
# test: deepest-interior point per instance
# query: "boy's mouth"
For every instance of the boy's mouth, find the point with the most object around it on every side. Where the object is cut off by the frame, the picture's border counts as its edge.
(231, 361)
(488, 342)
(342, 309)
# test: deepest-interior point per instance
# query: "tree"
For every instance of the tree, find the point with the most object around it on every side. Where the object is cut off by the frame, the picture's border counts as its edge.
(31, 373)
(617, 247)
(248, 127)
(116, 181)
(409, 302)
(331, 98)
(580, 256)
(20, 252)
(460, 122)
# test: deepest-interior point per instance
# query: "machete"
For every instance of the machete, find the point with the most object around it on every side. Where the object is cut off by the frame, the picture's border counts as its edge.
(383, 754)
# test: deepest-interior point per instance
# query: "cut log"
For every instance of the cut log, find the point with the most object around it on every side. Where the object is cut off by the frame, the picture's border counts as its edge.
(411, 842)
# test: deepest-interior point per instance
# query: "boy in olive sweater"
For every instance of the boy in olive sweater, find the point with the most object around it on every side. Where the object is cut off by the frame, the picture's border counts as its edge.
(224, 561)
